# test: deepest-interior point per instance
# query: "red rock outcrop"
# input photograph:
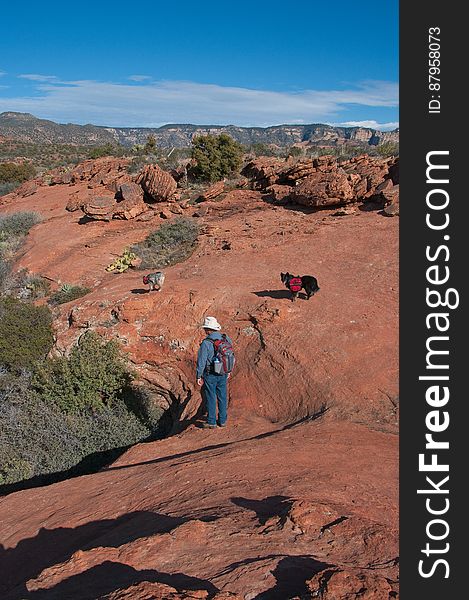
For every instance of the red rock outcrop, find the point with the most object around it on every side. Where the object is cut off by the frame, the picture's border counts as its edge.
(213, 191)
(298, 495)
(28, 188)
(157, 184)
(326, 180)
(297, 172)
(160, 591)
(324, 189)
(95, 172)
(351, 584)
(263, 171)
(391, 200)
(100, 208)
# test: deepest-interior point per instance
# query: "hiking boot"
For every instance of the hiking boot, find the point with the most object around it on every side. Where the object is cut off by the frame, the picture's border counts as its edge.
(208, 426)
(222, 425)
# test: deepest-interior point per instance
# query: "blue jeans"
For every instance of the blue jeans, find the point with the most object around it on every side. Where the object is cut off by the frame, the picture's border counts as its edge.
(214, 389)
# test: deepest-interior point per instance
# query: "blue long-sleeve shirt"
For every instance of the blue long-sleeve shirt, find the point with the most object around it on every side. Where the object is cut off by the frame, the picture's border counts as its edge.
(207, 352)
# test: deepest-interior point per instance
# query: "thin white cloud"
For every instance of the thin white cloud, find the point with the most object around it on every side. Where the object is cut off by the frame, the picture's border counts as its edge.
(157, 103)
(2, 73)
(370, 125)
(139, 77)
(37, 77)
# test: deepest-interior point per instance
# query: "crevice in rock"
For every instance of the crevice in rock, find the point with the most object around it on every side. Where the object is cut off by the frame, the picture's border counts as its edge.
(328, 526)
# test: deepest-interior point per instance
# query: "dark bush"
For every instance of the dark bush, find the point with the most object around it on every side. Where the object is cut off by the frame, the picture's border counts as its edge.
(16, 172)
(295, 151)
(67, 293)
(17, 224)
(388, 149)
(171, 243)
(5, 274)
(6, 188)
(106, 150)
(13, 228)
(36, 438)
(25, 333)
(261, 149)
(93, 376)
(150, 146)
(216, 156)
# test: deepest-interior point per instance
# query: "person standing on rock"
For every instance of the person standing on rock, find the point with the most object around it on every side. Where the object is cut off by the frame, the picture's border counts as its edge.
(215, 362)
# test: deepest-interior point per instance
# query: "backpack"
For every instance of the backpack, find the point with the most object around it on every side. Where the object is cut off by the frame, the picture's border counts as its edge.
(224, 358)
(295, 284)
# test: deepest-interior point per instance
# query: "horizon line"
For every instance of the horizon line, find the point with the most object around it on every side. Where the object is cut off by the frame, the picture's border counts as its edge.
(337, 126)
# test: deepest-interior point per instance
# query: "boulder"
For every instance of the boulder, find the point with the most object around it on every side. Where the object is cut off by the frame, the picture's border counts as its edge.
(60, 178)
(131, 192)
(300, 170)
(146, 216)
(179, 174)
(156, 183)
(129, 209)
(201, 212)
(100, 208)
(324, 163)
(74, 203)
(324, 189)
(280, 194)
(391, 199)
(263, 171)
(334, 582)
(373, 174)
(213, 191)
(100, 171)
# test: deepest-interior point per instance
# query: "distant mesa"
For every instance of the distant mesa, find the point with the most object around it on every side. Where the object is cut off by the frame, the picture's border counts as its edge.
(28, 128)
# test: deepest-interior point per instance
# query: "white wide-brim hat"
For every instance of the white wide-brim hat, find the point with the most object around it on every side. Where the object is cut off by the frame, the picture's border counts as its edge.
(211, 323)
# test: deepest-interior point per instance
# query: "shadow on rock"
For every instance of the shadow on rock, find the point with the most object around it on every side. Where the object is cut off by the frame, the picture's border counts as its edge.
(371, 206)
(139, 291)
(277, 294)
(110, 576)
(52, 546)
(273, 506)
(291, 574)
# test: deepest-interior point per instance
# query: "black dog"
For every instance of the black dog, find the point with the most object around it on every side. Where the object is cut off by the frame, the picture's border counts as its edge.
(295, 283)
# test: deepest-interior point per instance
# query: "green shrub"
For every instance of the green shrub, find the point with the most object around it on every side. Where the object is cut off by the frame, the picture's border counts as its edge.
(67, 293)
(16, 172)
(144, 404)
(5, 274)
(171, 243)
(36, 438)
(261, 149)
(217, 157)
(17, 224)
(91, 377)
(150, 146)
(106, 150)
(6, 188)
(388, 149)
(295, 151)
(137, 163)
(25, 333)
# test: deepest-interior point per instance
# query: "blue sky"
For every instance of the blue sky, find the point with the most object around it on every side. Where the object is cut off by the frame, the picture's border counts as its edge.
(245, 63)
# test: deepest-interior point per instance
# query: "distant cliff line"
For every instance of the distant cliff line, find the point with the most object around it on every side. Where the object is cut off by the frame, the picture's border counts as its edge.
(28, 128)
